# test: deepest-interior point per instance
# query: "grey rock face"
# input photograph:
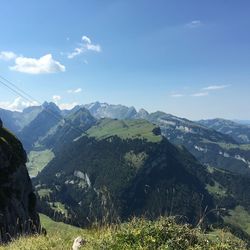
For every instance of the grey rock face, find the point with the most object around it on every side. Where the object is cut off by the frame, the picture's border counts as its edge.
(142, 114)
(101, 110)
(18, 214)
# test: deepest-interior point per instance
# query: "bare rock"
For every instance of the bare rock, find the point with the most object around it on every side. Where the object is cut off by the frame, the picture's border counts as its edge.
(18, 214)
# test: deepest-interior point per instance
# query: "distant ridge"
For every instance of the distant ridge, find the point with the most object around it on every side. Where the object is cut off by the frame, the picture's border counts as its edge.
(220, 146)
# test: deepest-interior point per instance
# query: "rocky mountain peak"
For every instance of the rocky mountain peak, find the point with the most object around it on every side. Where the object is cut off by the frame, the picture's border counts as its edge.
(51, 106)
(142, 113)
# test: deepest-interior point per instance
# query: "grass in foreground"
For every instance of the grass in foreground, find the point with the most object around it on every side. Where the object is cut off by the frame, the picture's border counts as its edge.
(60, 236)
(136, 234)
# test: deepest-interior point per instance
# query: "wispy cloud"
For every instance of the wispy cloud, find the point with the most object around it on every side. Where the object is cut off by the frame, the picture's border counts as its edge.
(17, 105)
(7, 55)
(200, 94)
(43, 65)
(67, 106)
(56, 98)
(85, 45)
(176, 95)
(194, 24)
(216, 87)
(74, 91)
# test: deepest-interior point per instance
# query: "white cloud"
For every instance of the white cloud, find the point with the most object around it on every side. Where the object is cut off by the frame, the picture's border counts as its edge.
(78, 90)
(177, 95)
(67, 105)
(86, 39)
(44, 65)
(7, 55)
(216, 87)
(56, 98)
(200, 94)
(84, 46)
(194, 24)
(4, 105)
(74, 91)
(18, 104)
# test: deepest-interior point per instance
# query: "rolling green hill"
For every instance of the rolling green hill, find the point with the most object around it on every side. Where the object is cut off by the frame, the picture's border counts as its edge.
(125, 129)
(200, 138)
(120, 169)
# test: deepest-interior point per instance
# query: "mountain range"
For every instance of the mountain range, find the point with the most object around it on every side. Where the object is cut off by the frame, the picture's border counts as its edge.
(101, 162)
(217, 143)
(121, 168)
(239, 132)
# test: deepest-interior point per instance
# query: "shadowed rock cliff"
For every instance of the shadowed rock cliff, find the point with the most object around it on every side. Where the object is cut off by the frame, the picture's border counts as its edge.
(18, 214)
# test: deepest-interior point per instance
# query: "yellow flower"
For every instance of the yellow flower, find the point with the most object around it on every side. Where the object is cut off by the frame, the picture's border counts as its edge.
(137, 232)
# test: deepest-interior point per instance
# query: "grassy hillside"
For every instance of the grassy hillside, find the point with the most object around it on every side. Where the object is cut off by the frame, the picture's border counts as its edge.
(106, 177)
(60, 236)
(110, 174)
(125, 129)
(239, 217)
(38, 160)
(136, 234)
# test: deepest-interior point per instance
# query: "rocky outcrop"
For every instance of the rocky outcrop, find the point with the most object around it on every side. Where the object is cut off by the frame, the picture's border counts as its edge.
(18, 214)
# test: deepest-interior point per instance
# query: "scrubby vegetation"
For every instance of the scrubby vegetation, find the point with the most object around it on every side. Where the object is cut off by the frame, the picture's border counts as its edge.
(163, 233)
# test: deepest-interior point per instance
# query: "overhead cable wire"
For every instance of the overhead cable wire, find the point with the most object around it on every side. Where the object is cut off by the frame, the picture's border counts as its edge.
(21, 93)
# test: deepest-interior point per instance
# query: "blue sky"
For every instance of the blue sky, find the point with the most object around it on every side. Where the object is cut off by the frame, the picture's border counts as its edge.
(187, 58)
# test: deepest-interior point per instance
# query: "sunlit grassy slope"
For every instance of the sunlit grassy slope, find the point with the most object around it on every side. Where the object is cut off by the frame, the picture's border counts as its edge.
(125, 129)
(239, 217)
(38, 160)
(136, 234)
(216, 189)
